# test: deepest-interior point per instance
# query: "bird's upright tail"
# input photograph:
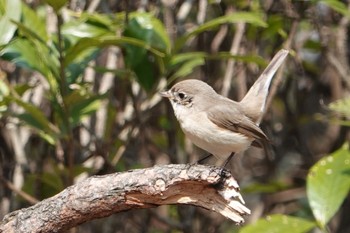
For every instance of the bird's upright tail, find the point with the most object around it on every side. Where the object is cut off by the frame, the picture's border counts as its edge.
(254, 101)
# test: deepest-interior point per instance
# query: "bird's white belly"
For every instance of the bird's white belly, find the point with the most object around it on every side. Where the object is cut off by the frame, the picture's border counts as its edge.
(208, 136)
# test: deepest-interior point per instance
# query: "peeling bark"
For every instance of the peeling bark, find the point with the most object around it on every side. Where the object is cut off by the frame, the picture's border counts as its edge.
(101, 196)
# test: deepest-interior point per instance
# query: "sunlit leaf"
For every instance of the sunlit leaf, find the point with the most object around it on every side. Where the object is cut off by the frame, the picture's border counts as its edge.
(23, 54)
(12, 12)
(82, 29)
(328, 183)
(246, 17)
(36, 57)
(184, 57)
(4, 88)
(34, 23)
(341, 106)
(279, 223)
(149, 29)
(337, 6)
(187, 68)
(184, 63)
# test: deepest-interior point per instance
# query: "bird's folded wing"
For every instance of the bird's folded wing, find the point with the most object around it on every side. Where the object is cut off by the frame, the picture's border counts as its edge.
(234, 120)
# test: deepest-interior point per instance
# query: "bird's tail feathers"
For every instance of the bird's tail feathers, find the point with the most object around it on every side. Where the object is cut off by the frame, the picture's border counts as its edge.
(255, 99)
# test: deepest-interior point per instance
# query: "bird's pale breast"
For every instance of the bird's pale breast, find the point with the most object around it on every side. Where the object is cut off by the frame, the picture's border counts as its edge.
(208, 136)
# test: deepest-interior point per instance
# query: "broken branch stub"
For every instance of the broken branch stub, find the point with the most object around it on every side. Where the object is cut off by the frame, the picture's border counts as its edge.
(101, 196)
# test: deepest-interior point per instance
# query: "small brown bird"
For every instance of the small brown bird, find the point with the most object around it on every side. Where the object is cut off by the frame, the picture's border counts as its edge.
(220, 125)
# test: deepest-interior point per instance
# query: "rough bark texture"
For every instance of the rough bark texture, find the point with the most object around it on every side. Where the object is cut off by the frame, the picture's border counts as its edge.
(101, 196)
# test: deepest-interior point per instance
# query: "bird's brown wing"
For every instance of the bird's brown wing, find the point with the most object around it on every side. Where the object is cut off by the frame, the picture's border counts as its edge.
(232, 118)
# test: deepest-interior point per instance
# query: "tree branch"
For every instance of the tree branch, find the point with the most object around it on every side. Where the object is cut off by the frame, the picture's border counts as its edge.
(101, 196)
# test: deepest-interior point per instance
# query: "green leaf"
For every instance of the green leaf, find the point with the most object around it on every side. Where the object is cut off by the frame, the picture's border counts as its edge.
(104, 41)
(4, 88)
(184, 63)
(33, 22)
(279, 223)
(337, 6)
(328, 184)
(145, 27)
(12, 12)
(34, 55)
(271, 187)
(341, 106)
(56, 4)
(22, 53)
(82, 28)
(187, 68)
(184, 57)
(35, 118)
(76, 69)
(22, 88)
(82, 105)
(246, 17)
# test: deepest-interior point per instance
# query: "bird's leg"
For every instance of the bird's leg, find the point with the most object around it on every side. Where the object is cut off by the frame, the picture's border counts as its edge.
(225, 164)
(204, 158)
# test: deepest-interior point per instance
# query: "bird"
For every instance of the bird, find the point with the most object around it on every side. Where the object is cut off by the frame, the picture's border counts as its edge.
(217, 124)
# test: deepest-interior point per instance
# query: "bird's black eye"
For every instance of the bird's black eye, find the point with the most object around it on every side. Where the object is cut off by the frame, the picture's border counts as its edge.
(182, 95)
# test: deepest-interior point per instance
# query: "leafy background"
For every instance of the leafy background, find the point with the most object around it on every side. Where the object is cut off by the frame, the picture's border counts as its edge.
(79, 84)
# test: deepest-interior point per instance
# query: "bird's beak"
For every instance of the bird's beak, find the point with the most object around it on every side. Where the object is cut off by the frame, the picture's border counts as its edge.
(165, 94)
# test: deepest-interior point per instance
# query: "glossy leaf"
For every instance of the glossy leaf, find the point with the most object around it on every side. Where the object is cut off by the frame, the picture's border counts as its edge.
(32, 52)
(46, 55)
(146, 27)
(279, 223)
(23, 54)
(246, 17)
(33, 22)
(328, 184)
(12, 12)
(82, 29)
(34, 56)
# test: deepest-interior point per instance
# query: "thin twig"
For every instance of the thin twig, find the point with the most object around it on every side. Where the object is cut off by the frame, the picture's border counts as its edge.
(32, 200)
(279, 75)
(240, 28)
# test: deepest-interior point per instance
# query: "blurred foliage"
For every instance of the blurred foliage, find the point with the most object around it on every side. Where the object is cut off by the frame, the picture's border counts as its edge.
(79, 96)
